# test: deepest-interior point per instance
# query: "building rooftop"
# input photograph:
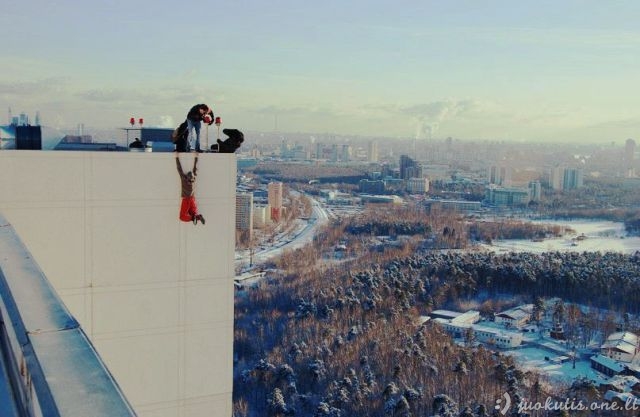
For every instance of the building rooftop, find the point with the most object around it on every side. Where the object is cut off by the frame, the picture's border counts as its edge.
(623, 341)
(61, 373)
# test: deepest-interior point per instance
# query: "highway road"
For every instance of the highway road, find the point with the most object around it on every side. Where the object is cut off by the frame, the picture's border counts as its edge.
(302, 234)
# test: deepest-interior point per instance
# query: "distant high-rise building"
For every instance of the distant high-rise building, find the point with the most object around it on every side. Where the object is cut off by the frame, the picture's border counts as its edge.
(572, 178)
(501, 196)
(334, 153)
(535, 190)
(556, 178)
(563, 178)
(37, 120)
(244, 212)
(274, 198)
(500, 175)
(346, 153)
(373, 151)
(418, 185)
(409, 168)
(260, 216)
(372, 186)
(629, 151)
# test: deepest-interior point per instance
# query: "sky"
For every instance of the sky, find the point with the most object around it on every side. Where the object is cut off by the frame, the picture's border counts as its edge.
(562, 70)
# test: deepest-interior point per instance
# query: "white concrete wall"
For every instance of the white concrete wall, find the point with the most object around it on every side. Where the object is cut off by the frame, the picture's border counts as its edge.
(154, 294)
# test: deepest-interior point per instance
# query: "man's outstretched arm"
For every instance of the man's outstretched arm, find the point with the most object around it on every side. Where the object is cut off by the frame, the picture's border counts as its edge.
(179, 166)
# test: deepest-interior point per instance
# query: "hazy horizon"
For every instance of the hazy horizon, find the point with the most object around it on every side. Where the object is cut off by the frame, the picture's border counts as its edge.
(526, 71)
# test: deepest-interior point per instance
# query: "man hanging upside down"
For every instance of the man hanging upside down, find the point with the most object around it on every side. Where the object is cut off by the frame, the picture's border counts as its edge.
(189, 208)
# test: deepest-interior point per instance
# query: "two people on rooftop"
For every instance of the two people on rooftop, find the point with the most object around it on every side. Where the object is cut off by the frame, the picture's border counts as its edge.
(187, 135)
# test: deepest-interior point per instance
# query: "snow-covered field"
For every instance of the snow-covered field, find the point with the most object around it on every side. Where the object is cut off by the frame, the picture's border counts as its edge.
(603, 236)
(534, 358)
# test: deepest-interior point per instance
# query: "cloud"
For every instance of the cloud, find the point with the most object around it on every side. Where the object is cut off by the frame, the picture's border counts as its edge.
(31, 88)
(166, 121)
(103, 96)
(429, 116)
(438, 111)
(298, 111)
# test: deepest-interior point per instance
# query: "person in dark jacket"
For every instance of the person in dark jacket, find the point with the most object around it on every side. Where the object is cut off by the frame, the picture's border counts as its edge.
(136, 144)
(197, 114)
(231, 144)
(180, 137)
(188, 207)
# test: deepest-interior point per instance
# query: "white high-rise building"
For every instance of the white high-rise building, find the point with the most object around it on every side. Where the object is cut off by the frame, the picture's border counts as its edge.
(500, 175)
(535, 190)
(418, 185)
(556, 178)
(260, 216)
(373, 151)
(153, 294)
(629, 154)
(563, 178)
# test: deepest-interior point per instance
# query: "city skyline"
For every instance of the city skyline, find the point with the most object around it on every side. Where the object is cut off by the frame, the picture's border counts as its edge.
(534, 71)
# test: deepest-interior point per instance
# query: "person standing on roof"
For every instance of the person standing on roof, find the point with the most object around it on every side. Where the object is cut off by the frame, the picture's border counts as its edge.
(188, 207)
(195, 117)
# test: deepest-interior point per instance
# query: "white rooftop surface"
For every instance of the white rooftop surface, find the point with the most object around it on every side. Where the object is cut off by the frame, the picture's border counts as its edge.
(626, 337)
(608, 362)
(447, 313)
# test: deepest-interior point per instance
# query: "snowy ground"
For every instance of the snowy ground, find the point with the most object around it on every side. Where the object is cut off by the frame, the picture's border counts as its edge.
(603, 236)
(534, 358)
(600, 236)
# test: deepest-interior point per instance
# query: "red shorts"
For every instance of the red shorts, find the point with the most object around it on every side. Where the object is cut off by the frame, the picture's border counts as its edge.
(188, 209)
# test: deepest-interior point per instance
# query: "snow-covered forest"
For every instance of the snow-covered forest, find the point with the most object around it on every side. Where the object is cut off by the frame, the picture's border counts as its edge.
(326, 337)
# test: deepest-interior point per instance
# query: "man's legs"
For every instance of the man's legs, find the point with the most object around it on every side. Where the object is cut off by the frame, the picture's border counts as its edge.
(194, 212)
(194, 142)
(188, 209)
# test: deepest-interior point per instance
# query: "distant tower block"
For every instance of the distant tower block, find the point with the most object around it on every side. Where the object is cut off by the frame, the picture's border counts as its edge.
(275, 199)
(37, 121)
(244, 213)
(629, 151)
(500, 175)
(373, 151)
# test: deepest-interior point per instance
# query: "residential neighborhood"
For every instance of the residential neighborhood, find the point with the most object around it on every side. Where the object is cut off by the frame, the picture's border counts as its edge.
(612, 365)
